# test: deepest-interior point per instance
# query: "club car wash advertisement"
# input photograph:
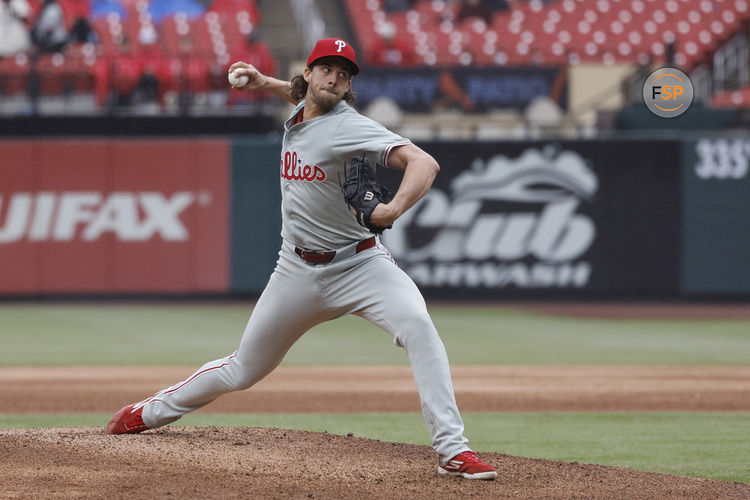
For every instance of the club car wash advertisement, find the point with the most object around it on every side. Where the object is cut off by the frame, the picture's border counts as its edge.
(562, 219)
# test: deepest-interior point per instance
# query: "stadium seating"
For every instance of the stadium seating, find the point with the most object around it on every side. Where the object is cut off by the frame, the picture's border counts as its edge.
(559, 31)
(186, 46)
(190, 49)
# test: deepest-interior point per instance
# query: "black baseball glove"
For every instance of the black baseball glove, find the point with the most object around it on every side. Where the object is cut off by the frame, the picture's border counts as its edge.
(363, 193)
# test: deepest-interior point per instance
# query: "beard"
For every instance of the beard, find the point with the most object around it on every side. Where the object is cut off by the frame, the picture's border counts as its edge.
(324, 99)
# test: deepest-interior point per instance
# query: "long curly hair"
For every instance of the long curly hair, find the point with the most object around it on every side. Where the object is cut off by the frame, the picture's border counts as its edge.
(299, 90)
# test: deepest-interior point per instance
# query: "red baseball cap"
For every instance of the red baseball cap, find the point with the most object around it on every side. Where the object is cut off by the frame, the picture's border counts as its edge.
(333, 47)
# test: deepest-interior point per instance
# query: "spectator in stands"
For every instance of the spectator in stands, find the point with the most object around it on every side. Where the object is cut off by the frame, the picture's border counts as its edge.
(498, 5)
(474, 8)
(450, 95)
(671, 46)
(49, 32)
(82, 32)
(398, 5)
(152, 68)
(147, 37)
(14, 36)
(390, 50)
(117, 77)
(145, 97)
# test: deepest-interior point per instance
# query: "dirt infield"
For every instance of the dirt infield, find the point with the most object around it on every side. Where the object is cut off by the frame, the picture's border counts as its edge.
(209, 462)
(347, 389)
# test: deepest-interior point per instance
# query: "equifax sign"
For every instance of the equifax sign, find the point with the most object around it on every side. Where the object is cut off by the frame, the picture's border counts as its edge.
(87, 215)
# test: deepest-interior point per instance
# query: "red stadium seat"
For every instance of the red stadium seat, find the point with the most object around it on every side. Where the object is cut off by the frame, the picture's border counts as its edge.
(14, 74)
(53, 73)
(80, 60)
(74, 10)
(232, 7)
(737, 99)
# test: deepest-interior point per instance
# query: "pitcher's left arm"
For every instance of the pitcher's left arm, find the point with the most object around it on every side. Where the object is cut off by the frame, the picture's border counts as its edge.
(419, 169)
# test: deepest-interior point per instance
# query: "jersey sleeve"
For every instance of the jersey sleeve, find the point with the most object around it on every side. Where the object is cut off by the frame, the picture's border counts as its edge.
(357, 135)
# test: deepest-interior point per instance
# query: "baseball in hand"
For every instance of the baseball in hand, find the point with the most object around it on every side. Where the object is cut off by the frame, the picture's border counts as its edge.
(238, 80)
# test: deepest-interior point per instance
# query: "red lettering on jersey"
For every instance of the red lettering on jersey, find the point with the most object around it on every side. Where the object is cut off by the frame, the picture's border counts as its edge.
(292, 169)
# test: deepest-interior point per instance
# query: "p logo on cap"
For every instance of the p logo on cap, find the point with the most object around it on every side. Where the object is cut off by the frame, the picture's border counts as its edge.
(333, 47)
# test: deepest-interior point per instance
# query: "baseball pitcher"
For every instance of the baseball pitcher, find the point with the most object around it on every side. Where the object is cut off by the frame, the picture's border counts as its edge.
(331, 262)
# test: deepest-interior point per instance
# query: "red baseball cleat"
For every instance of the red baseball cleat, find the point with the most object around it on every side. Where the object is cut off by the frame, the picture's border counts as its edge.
(128, 420)
(469, 466)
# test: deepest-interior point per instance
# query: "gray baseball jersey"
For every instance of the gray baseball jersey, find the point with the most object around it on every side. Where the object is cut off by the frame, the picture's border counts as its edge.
(314, 157)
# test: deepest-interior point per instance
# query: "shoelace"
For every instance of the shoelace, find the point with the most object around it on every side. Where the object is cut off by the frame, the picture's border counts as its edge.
(469, 457)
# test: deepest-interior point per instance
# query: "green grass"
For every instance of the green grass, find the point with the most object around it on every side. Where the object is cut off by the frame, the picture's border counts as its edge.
(709, 445)
(190, 334)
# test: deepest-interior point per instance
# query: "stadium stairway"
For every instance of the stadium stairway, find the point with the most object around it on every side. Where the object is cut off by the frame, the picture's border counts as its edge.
(336, 23)
(279, 31)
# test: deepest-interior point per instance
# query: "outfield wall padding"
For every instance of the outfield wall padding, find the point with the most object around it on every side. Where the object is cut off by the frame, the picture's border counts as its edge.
(562, 219)
(603, 219)
(114, 216)
(716, 217)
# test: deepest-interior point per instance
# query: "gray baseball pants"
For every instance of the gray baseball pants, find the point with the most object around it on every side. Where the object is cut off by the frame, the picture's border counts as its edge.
(299, 296)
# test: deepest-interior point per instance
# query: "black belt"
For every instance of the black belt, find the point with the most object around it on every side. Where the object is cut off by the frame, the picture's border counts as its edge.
(325, 257)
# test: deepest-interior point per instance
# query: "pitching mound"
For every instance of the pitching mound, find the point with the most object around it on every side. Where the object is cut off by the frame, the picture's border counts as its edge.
(213, 462)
